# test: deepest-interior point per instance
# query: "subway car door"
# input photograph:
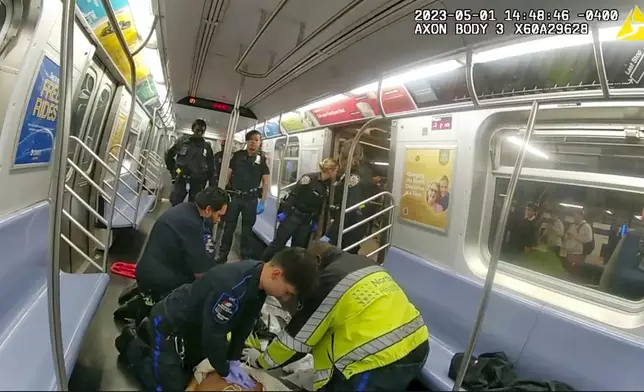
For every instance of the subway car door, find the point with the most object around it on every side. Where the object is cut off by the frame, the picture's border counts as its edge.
(95, 113)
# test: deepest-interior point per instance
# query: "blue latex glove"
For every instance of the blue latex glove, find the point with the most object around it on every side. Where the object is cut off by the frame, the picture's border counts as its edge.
(281, 217)
(260, 207)
(314, 226)
(238, 376)
(325, 239)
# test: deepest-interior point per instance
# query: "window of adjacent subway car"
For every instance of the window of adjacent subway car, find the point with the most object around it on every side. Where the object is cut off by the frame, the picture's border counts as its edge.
(588, 234)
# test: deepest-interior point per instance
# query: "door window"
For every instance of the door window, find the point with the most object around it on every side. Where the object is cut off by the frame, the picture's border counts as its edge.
(80, 105)
(96, 125)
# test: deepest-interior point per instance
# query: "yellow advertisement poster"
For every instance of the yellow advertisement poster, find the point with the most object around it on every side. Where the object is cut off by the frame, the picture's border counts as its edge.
(427, 182)
(119, 130)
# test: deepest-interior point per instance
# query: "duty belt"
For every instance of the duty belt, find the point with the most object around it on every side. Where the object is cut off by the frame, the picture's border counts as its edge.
(234, 192)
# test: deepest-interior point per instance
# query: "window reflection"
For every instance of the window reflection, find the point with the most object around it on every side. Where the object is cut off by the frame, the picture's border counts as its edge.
(94, 129)
(586, 236)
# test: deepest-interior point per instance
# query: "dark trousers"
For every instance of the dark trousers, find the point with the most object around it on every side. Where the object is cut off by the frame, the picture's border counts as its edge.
(166, 363)
(247, 207)
(350, 237)
(297, 227)
(392, 377)
(179, 192)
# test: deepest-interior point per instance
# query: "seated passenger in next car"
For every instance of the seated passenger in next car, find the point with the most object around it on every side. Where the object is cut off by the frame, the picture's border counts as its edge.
(299, 211)
(179, 249)
(361, 329)
(192, 322)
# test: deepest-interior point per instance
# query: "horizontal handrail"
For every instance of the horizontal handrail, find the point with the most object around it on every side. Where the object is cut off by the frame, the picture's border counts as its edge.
(92, 154)
(385, 246)
(368, 219)
(83, 229)
(81, 252)
(374, 197)
(368, 237)
(291, 185)
(118, 146)
(84, 204)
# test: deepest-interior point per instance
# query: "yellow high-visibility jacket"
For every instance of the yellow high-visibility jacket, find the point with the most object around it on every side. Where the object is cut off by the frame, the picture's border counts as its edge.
(359, 320)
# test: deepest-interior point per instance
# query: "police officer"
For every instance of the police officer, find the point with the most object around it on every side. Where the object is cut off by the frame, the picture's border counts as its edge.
(192, 322)
(247, 168)
(362, 330)
(194, 165)
(179, 249)
(360, 188)
(219, 157)
(300, 210)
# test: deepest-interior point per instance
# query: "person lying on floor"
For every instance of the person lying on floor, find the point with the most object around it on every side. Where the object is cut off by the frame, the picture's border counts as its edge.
(362, 331)
(192, 322)
(179, 249)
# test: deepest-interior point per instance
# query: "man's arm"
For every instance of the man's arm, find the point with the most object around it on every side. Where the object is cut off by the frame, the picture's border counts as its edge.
(266, 179)
(241, 333)
(170, 154)
(217, 315)
(210, 161)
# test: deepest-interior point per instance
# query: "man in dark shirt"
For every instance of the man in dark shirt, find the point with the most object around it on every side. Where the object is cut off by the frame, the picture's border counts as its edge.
(219, 157)
(191, 164)
(180, 247)
(246, 170)
(192, 322)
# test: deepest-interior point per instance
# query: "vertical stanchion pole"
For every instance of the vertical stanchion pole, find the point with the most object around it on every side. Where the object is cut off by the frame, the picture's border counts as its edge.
(128, 124)
(57, 189)
(496, 249)
(469, 78)
(347, 169)
(599, 61)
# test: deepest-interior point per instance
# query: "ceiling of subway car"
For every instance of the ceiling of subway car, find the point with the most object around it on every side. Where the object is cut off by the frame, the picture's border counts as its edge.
(366, 40)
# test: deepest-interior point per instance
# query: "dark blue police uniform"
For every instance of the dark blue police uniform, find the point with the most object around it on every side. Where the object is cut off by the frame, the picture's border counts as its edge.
(195, 160)
(192, 322)
(303, 206)
(244, 189)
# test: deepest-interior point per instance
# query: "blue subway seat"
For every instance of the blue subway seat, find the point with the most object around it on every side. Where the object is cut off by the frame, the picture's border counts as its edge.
(543, 342)
(448, 303)
(146, 202)
(264, 226)
(26, 361)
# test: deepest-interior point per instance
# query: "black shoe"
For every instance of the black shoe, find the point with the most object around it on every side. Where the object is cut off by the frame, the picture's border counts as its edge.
(128, 293)
(123, 341)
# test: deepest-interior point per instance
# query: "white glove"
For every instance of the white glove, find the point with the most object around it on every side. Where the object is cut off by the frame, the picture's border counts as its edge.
(250, 356)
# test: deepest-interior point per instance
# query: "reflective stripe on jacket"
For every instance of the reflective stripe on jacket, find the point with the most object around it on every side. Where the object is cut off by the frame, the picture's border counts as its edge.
(359, 320)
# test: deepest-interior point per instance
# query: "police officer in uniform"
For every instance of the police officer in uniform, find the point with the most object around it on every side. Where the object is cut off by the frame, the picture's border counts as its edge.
(246, 170)
(299, 211)
(362, 330)
(360, 188)
(192, 322)
(194, 164)
(179, 249)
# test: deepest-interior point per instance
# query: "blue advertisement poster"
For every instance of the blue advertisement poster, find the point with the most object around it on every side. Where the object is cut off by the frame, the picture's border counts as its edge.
(94, 12)
(38, 132)
(272, 129)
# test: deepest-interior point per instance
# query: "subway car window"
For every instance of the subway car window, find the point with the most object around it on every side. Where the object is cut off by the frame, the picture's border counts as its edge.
(605, 155)
(587, 236)
(4, 20)
(99, 116)
(80, 106)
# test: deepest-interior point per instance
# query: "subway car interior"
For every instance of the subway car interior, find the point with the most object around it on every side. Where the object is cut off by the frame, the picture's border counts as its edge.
(495, 136)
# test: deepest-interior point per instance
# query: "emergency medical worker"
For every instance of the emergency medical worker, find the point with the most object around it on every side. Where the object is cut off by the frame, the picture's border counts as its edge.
(179, 249)
(219, 157)
(192, 322)
(194, 164)
(361, 329)
(299, 211)
(360, 188)
(246, 170)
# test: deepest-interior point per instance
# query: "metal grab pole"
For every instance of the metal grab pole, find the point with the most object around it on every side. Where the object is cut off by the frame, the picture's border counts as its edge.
(347, 170)
(469, 78)
(496, 250)
(128, 124)
(57, 189)
(230, 135)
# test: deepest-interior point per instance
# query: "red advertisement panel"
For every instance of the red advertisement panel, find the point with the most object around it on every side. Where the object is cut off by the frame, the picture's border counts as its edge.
(394, 100)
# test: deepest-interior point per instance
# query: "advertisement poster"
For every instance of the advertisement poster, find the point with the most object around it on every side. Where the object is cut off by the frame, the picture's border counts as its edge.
(293, 122)
(96, 17)
(357, 107)
(119, 130)
(36, 139)
(427, 183)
